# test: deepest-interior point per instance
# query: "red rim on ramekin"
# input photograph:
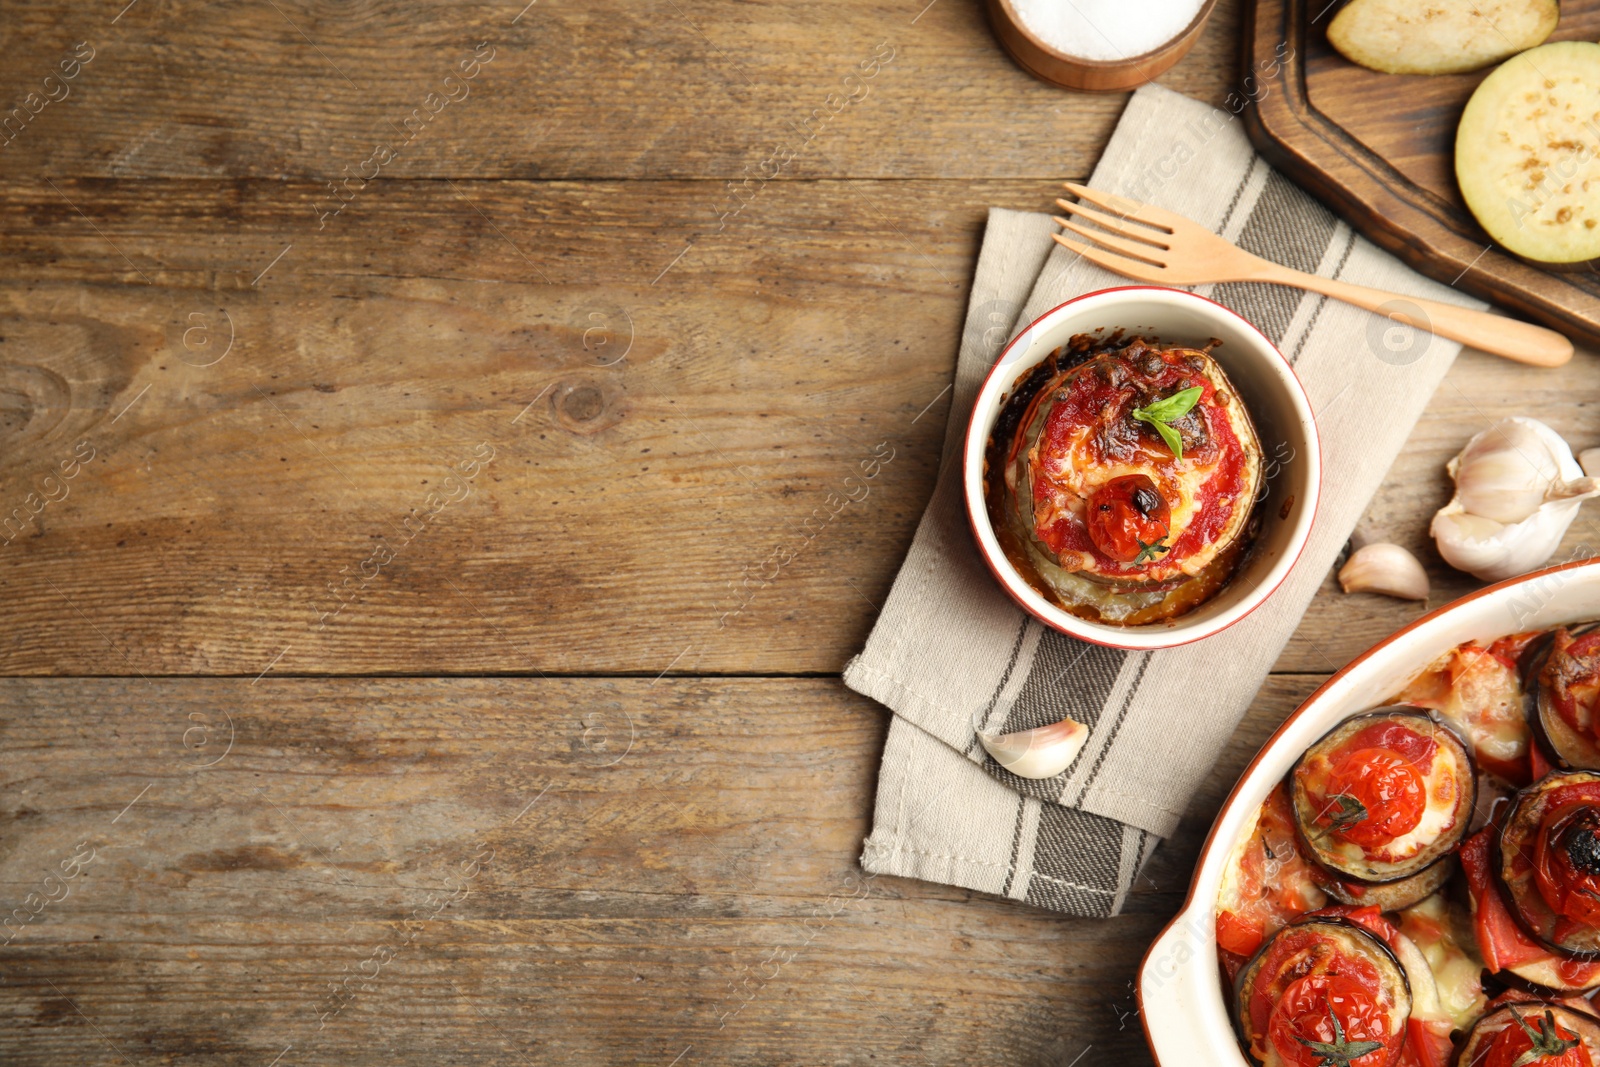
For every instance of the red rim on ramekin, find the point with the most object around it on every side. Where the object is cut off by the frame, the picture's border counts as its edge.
(1254, 350)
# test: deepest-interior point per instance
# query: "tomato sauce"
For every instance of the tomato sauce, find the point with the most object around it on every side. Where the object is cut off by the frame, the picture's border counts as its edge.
(1100, 402)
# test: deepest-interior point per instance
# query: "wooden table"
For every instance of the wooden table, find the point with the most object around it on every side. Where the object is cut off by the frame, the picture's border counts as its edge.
(387, 657)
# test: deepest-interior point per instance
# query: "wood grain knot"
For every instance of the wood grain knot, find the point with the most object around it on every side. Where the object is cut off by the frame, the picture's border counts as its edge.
(33, 401)
(587, 405)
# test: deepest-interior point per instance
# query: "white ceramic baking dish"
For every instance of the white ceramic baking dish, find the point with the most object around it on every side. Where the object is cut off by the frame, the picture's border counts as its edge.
(1182, 1003)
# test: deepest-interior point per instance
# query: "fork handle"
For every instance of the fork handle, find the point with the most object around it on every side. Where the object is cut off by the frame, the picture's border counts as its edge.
(1511, 338)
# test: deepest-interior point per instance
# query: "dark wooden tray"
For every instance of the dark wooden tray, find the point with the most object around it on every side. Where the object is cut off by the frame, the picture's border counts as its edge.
(1379, 150)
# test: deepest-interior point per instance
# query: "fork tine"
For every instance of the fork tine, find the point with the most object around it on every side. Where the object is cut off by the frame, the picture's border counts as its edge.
(1128, 268)
(1115, 224)
(1111, 242)
(1129, 209)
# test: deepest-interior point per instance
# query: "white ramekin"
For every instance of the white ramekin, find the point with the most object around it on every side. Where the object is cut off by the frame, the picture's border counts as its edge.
(1292, 461)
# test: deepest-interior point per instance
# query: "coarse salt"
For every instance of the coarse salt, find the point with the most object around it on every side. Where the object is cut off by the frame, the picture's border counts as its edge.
(1106, 30)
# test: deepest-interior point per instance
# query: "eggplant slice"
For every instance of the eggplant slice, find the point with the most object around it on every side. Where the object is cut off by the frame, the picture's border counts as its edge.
(1324, 938)
(1392, 896)
(1559, 661)
(1449, 790)
(1549, 846)
(1473, 1051)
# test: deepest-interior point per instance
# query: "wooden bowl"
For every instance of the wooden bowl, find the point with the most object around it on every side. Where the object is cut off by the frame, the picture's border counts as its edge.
(1089, 75)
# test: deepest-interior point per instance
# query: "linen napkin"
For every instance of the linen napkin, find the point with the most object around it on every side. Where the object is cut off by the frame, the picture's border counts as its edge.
(951, 653)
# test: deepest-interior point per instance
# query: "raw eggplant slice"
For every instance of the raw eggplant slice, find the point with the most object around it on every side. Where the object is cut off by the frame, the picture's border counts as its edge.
(1507, 1034)
(1548, 861)
(1384, 796)
(1315, 968)
(1441, 37)
(1526, 153)
(1562, 691)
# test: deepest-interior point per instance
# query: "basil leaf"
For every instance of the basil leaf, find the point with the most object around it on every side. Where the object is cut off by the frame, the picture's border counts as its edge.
(1170, 436)
(1175, 406)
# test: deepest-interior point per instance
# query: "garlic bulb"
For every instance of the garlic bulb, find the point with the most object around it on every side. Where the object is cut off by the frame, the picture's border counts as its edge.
(1043, 752)
(1517, 490)
(1386, 569)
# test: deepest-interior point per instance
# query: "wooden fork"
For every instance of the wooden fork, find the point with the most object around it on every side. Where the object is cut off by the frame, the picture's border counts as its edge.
(1151, 245)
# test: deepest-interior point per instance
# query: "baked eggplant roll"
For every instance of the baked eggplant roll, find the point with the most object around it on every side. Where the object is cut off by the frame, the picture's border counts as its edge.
(1548, 860)
(1562, 690)
(1121, 479)
(1381, 801)
(1531, 1034)
(1323, 990)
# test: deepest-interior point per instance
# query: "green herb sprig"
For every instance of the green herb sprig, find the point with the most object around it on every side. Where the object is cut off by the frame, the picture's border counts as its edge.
(1339, 1052)
(1151, 550)
(1546, 1042)
(1169, 409)
(1351, 811)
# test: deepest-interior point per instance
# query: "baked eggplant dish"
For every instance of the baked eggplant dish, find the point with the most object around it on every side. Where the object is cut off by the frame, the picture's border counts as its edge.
(1323, 986)
(1563, 683)
(1423, 888)
(1121, 479)
(1384, 798)
(1532, 1033)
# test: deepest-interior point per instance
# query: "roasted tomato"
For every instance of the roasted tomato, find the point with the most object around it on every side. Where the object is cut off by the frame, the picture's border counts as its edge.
(1549, 861)
(1384, 797)
(1323, 987)
(1502, 941)
(1267, 883)
(1378, 795)
(1322, 1013)
(1129, 519)
(1563, 696)
(1536, 1034)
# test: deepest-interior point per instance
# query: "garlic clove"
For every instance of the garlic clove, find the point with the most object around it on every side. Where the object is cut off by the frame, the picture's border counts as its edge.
(1493, 551)
(1518, 488)
(1504, 472)
(1039, 753)
(1386, 569)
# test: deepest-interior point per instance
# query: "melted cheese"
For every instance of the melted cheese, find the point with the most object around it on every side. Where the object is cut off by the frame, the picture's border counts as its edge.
(1479, 694)
(1432, 926)
(1075, 473)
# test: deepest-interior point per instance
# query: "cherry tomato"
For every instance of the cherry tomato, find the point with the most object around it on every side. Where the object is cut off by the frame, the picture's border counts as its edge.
(1129, 518)
(1306, 1012)
(1513, 1042)
(1567, 863)
(1389, 789)
(1403, 741)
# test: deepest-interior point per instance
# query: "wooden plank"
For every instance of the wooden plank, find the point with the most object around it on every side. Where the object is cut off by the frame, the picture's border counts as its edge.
(229, 519)
(1478, 390)
(673, 867)
(657, 435)
(573, 90)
